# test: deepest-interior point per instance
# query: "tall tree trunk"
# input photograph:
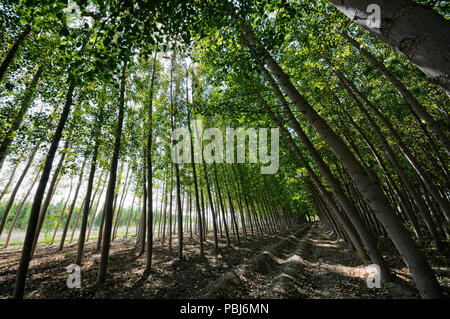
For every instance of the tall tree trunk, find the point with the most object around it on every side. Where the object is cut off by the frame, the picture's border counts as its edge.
(108, 211)
(34, 213)
(11, 177)
(62, 213)
(221, 206)
(119, 210)
(130, 214)
(165, 211)
(211, 203)
(404, 202)
(72, 207)
(18, 118)
(12, 52)
(48, 199)
(241, 209)
(148, 264)
(91, 224)
(442, 202)
(233, 216)
(143, 220)
(180, 213)
(16, 189)
(170, 208)
(16, 215)
(87, 202)
(77, 219)
(204, 214)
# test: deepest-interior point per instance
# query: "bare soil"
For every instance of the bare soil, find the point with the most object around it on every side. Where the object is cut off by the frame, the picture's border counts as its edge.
(306, 261)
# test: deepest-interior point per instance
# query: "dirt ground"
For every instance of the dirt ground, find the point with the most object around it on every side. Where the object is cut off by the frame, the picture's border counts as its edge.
(304, 262)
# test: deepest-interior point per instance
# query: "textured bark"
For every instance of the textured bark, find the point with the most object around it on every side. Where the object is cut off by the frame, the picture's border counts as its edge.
(417, 32)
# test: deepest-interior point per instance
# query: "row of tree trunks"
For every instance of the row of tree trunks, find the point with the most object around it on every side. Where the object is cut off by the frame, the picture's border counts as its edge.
(420, 270)
(13, 194)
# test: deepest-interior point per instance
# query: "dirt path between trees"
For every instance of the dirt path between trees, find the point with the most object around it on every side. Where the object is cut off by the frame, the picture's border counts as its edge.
(304, 262)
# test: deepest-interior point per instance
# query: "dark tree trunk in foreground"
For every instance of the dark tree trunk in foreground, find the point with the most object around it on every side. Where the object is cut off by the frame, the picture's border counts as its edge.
(108, 211)
(35, 208)
(417, 32)
(16, 215)
(12, 52)
(148, 264)
(51, 190)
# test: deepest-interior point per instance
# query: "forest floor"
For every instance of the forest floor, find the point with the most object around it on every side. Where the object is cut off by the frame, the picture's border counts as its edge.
(305, 262)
